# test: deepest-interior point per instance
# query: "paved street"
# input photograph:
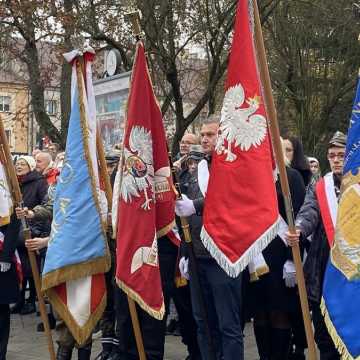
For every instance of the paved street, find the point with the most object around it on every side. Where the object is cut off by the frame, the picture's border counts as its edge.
(27, 344)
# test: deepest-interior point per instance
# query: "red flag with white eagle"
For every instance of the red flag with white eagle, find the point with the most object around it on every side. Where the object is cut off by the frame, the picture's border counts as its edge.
(146, 196)
(241, 211)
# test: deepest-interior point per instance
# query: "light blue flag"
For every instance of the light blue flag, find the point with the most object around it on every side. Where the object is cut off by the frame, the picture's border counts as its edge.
(77, 245)
(341, 292)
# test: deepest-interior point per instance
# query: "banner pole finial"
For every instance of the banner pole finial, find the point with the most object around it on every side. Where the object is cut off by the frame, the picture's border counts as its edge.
(134, 19)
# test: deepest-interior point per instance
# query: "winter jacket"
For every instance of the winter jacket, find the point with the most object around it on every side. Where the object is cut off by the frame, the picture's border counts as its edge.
(44, 212)
(277, 253)
(34, 188)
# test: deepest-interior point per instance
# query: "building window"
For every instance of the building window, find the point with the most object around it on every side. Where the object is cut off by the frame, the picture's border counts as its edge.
(5, 103)
(51, 107)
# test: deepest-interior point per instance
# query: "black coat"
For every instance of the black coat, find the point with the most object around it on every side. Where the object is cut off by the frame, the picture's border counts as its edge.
(34, 191)
(33, 188)
(270, 293)
(9, 282)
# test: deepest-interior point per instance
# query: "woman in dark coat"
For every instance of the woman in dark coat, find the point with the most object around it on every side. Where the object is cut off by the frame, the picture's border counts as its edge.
(294, 152)
(270, 300)
(9, 279)
(34, 190)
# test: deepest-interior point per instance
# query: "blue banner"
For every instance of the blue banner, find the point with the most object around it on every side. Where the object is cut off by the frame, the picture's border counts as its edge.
(77, 245)
(341, 292)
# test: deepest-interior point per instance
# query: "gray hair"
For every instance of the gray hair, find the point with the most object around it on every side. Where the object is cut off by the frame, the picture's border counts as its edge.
(211, 119)
(47, 156)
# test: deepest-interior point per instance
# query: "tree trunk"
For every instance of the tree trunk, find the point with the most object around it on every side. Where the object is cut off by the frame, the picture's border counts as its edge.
(37, 93)
(179, 133)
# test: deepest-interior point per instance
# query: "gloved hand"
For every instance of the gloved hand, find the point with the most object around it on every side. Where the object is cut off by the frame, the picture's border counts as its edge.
(184, 268)
(184, 207)
(4, 266)
(289, 274)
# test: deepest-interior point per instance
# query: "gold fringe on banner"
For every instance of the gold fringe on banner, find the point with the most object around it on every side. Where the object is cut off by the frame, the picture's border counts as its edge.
(339, 344)
(80, 334)
(157, 314)
(85, 134)
(75, 271)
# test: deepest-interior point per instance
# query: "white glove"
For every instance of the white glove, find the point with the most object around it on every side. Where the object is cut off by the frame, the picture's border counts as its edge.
(184, 268)
(184, 207)
(4, 266)
(289, 274)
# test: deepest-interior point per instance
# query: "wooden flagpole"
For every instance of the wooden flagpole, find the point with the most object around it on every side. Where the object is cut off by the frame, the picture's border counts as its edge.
(275, 134)
(18, 202)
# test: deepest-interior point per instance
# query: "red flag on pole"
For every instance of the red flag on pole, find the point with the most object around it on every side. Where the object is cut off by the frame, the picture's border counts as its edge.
(241, 211)
(146, 197)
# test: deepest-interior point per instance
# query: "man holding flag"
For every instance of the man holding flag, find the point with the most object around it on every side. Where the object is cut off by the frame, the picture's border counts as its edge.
(240, 215)
(317, 217)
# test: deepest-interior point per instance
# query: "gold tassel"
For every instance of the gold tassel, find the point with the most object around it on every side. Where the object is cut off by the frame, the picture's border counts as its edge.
(180, 281)
(4, 220)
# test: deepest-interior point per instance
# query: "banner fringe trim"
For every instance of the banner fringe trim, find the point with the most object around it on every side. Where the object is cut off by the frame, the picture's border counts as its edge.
(85, 139)
(339, 344)
(157, 314)
(234, 269)
(74, 272)
(80, 333)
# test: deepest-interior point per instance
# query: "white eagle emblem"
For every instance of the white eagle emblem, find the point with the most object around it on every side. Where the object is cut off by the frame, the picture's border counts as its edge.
(138, 171)
(240, 126)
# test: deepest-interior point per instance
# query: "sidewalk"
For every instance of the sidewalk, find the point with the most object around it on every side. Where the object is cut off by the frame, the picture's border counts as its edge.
(27, 344)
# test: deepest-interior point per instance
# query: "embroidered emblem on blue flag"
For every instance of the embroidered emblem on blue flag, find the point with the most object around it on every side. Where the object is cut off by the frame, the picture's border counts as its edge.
(341, 292)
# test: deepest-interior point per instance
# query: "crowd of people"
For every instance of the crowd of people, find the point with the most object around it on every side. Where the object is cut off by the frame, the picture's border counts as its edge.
(271, 302)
